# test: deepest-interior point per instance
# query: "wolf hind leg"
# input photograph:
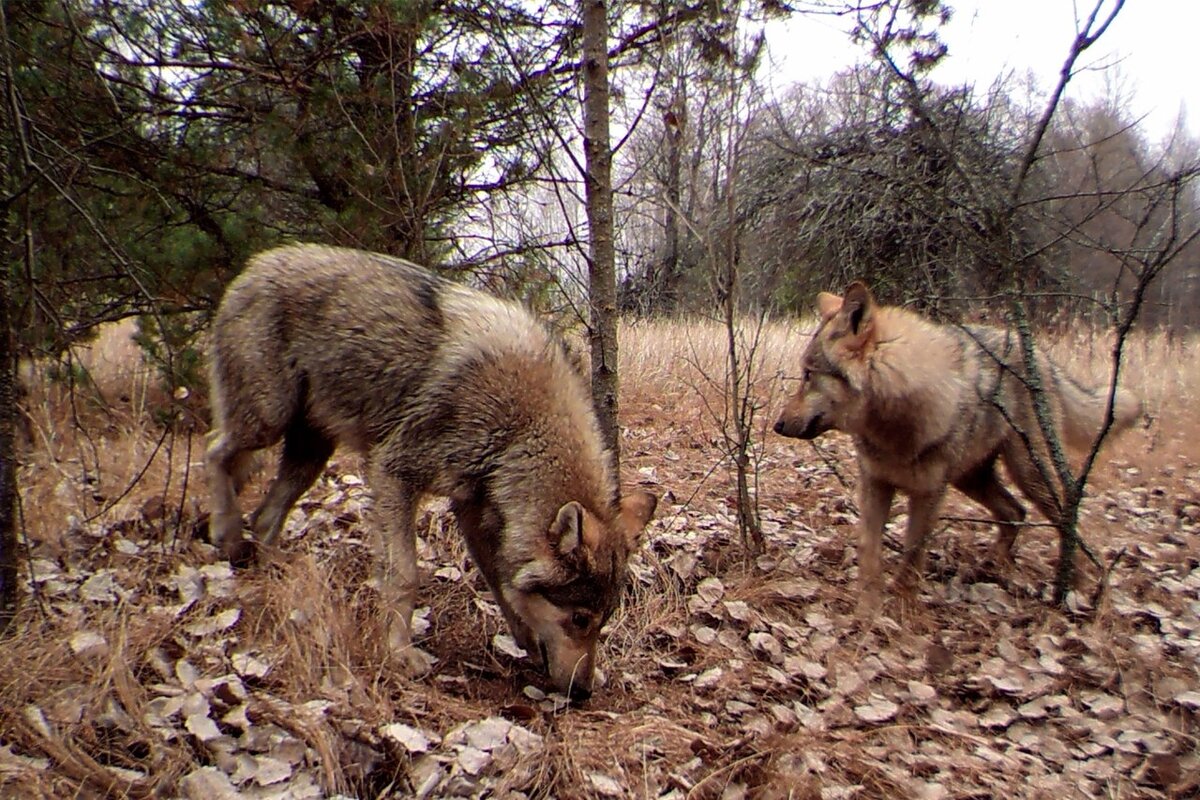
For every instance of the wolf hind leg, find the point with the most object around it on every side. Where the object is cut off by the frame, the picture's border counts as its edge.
(305, 452)
(395, 544)
(226, 461)
(1025, 473)
(248, 415)
(983, 486)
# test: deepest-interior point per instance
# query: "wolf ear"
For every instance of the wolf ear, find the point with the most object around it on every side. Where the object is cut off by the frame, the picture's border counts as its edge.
(636, 510)
(858, 307)
(828, 305)
(567, 530)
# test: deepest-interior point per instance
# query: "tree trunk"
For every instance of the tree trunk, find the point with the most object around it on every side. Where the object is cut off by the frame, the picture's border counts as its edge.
(674, 121)
(10, 223)
(602, 274)
(8, 463)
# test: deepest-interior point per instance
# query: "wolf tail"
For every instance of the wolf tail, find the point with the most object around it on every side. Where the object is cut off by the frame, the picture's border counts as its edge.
(1083, 410)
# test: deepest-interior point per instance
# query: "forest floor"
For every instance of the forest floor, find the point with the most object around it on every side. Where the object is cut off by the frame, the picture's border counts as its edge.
(143, 665)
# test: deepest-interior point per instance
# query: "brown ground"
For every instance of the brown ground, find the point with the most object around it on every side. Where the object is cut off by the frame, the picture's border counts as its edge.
(143, 666)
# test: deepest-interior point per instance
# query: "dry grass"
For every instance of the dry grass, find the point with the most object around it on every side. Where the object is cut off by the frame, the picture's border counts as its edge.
(100, 472)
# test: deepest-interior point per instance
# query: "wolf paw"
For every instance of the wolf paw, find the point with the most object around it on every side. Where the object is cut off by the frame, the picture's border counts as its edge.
(412, 660)
(242, 551)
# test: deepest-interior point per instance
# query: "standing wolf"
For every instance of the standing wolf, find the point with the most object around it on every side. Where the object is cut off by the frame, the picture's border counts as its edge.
(931, 406)
(445, 390)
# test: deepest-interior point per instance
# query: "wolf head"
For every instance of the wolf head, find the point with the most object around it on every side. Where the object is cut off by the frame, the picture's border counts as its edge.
(563, 596)
(835, 366)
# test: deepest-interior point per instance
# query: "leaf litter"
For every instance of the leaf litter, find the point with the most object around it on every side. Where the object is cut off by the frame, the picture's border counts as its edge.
(724, 677)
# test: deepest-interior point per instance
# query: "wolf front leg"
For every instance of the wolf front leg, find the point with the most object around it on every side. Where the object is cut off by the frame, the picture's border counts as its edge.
(923, 508)
(396, 562)
(875, 501)
(482, 527)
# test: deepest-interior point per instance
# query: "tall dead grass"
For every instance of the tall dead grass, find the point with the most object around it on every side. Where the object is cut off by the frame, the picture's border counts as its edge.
(662, 360)
(105, 439)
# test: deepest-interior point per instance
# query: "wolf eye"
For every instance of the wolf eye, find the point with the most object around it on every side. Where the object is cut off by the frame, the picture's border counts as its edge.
(806, 375)
(581, 620)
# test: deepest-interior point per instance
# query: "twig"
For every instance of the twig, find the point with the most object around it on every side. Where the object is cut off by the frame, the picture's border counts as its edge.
(833, 467)
(136, 478)
(187, 471)
(35, 592)
(982, 521)
(1102, 584)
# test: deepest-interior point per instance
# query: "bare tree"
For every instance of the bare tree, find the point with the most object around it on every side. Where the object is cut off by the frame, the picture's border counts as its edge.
(724, 101)
(602, 274)
(738, 433)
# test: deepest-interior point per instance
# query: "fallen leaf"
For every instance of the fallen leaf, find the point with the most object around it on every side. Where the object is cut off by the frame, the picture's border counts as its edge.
(709, 678)
(99, 588)
(504, 643)
(202, 727)
(710, 590)
(472, 760)
(249, 665)
(768, 644)
(606, 786)
(270, 770)
(414, 740)
(996, 717)
(88, 644)
(214, 624)
(1189, 700)
(877, 709)
(208, 783)
(487, 734)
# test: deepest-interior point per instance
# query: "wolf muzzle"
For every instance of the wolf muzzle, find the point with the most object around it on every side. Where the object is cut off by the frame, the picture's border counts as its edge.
(810, 430)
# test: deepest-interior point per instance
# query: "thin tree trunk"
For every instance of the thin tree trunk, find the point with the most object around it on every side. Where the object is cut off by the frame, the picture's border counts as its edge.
(673, 128)
(602, 274)
(740, 402)
(8, 464)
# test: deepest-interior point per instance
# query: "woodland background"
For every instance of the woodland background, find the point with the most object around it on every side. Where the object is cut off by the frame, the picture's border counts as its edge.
(152, 147)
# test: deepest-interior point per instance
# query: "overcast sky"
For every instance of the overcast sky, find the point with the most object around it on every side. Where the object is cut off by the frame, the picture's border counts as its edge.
(1153, 44)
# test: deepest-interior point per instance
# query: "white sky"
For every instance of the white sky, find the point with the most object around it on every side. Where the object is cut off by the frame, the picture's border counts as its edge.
(1153, 44)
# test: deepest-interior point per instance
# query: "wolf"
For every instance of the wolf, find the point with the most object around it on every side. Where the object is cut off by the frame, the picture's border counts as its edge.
(931, 406)
(445, 390)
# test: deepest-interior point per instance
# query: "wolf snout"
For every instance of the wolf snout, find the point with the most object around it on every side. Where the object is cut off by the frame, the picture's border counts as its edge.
(794, 428)
(790, 427)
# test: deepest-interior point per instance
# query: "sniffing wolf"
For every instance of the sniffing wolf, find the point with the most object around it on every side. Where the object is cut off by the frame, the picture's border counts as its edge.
(447, 391)
(931, 406)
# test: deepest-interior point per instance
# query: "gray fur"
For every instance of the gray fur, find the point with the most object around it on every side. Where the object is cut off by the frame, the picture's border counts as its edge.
(445, 390)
